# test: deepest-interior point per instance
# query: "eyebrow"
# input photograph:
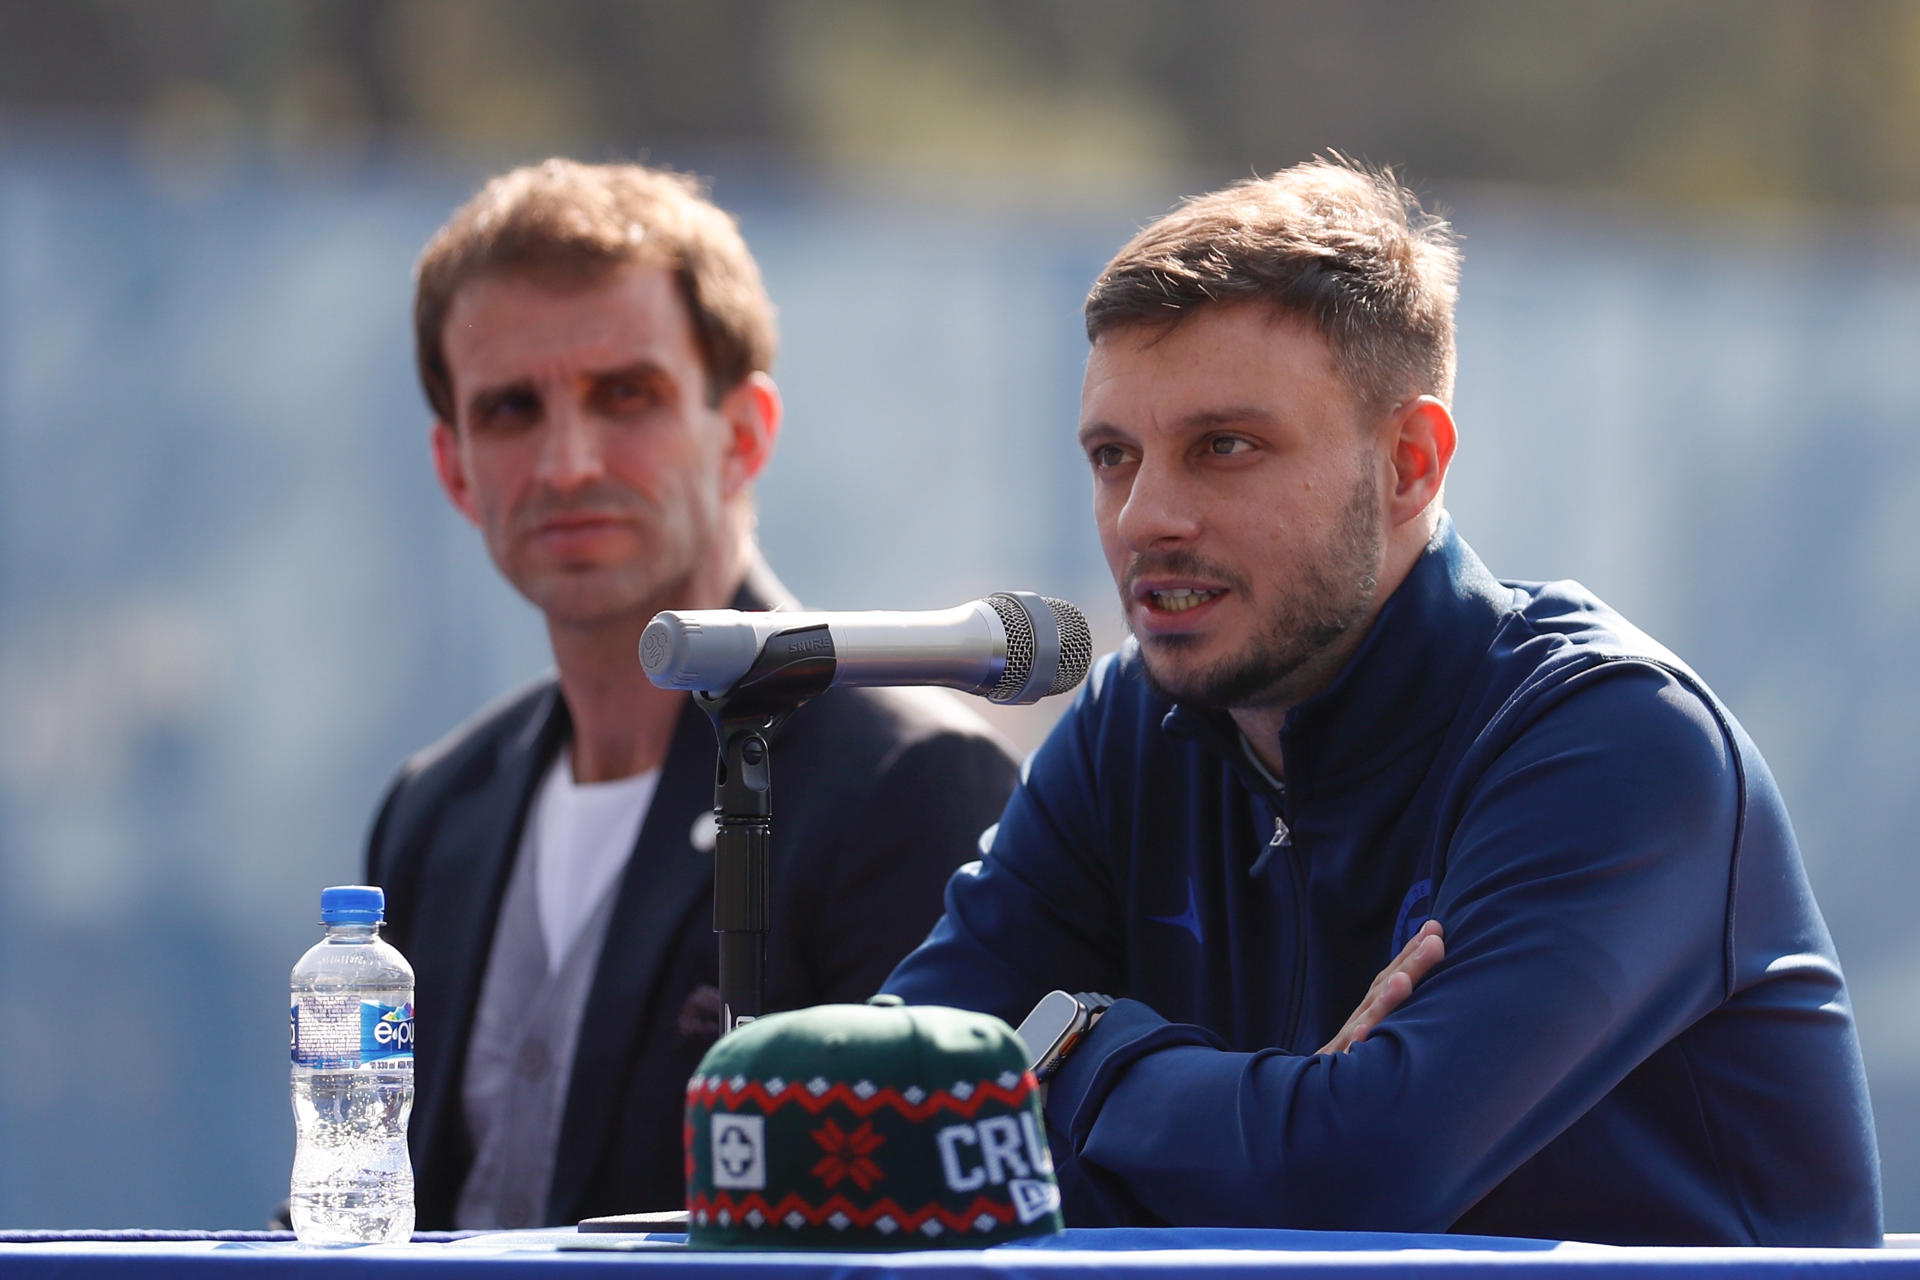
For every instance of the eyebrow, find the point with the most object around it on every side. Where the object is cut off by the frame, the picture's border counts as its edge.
(1200, 420)
(644, 367)
(486, 397)
(1232, 415)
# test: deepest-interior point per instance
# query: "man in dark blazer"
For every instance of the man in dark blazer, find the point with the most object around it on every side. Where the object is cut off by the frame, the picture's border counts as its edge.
(595, 343)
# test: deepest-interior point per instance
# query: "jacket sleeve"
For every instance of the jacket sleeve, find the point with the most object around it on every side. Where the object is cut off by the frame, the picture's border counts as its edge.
(922, 817)
(383, 869)
(1037, 910)
(1585, 911)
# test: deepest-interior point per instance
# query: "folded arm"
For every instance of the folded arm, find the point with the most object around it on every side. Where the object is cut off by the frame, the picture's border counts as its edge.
(1584, 903)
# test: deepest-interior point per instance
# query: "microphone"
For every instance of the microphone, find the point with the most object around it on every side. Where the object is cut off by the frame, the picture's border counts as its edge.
(1013, 647)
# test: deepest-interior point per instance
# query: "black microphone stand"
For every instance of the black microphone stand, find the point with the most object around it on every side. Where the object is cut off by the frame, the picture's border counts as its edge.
(746, 719)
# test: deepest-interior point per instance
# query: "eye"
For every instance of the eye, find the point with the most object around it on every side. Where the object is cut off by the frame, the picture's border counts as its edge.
(1225, 446)
(628, 393)
(1105, 457)
(507, 410)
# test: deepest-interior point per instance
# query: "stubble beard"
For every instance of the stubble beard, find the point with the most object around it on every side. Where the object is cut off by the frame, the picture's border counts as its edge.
(619, 593)
(1304, 629)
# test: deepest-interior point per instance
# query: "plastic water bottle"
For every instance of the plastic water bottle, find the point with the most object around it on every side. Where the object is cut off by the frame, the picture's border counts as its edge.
(352, 1078)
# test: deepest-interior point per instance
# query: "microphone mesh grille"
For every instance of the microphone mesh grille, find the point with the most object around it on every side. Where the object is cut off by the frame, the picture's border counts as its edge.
(1019, 647)
(1076, 645)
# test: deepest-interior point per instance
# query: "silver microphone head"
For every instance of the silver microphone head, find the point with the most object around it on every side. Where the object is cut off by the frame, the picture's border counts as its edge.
(1076, 645)
(1049, 647)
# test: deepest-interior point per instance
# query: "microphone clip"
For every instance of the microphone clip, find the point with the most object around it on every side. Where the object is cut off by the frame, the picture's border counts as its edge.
(746, 718)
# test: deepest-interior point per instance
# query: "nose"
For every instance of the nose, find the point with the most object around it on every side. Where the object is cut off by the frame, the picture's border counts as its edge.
(571, 449)
(1157, 510)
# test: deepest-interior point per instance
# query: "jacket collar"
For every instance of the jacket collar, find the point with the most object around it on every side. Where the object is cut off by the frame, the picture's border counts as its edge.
(761, 591)
(1398, 691)
(666, 881)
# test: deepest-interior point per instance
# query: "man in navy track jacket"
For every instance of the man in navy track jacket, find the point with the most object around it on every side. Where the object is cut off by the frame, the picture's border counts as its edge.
(1431, 902)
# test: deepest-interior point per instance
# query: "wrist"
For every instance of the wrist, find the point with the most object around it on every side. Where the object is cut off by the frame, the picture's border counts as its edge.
(1056, 1027)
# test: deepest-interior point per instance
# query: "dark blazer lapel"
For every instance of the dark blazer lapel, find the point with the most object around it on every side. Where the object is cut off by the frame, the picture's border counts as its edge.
(467, 866)
(666, 879)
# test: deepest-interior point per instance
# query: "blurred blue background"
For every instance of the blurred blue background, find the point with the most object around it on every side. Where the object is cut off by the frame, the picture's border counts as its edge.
(232, 597)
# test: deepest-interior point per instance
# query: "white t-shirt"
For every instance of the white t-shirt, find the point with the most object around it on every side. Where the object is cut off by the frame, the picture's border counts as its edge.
(582, 836)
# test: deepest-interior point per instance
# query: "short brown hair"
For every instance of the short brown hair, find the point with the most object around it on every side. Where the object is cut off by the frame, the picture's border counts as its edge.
(572, 223)
(1345, 247)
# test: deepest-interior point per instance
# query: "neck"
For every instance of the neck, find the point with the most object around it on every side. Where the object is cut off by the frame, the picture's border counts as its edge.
(622, 723)
(1261, 722)
(1261, 726)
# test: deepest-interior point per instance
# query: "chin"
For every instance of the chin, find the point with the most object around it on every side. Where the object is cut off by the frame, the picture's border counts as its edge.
(581, 599)
(1187, 655)
(1172, 670)
(1221, 684)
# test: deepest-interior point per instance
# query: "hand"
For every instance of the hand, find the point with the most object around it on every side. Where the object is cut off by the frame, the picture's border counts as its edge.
(1394, 984)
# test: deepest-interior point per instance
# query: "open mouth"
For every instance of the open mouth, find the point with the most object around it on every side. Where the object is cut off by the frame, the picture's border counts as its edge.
(1179, 599)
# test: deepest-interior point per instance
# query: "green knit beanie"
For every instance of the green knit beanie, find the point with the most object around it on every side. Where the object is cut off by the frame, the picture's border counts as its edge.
(882, 1126)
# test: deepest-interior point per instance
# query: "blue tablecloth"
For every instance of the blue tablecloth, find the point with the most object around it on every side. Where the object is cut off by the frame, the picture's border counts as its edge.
(1084, 1255)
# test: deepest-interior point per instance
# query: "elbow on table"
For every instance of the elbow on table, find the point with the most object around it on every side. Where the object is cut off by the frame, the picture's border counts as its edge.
(1323, 1167)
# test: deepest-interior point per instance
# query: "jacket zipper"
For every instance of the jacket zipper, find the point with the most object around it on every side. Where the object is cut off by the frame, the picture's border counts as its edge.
(1282, 842)
(1283, 839)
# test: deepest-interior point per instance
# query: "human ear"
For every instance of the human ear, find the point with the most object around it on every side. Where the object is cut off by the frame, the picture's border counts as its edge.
(452, 470)
(1423, 442)
(753, 411)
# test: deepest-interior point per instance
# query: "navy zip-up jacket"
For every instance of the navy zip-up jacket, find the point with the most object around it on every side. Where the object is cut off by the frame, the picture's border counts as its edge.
(1639, 1033)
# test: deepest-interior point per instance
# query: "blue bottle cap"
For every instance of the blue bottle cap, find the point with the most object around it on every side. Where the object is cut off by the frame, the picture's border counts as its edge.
(353, 904)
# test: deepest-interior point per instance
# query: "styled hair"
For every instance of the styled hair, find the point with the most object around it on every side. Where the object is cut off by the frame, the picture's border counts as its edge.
(571, 224)
(1342, 246)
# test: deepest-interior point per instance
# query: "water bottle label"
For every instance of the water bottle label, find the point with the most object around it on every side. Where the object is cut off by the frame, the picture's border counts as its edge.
(336, 1032)
(386, 1030)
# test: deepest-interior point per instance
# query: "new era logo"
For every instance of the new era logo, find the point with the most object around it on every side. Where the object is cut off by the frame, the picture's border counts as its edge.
(739, 1152)
(1033, 1198)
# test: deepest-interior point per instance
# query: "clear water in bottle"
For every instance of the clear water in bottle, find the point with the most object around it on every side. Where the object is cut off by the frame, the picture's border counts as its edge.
(352, 1041)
